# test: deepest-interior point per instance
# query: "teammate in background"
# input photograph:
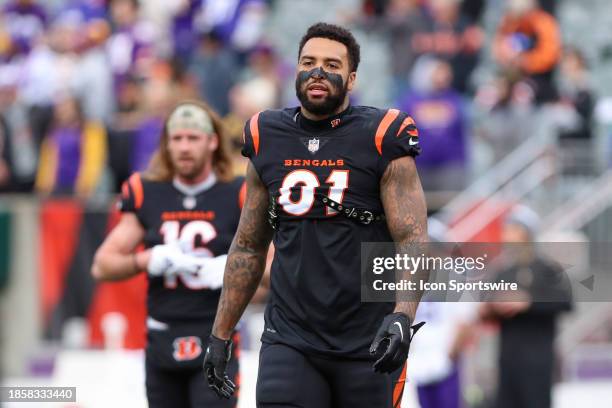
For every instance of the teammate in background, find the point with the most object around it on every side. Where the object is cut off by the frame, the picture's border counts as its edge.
(185, 209)
(329, 171)
(527, 317)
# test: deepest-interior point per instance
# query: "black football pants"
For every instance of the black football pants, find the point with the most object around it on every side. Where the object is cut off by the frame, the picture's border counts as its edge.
(186, 388)
(290, 379)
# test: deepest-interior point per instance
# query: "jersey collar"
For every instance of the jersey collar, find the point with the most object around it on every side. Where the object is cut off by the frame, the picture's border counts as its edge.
(193, 190)
(329, 123)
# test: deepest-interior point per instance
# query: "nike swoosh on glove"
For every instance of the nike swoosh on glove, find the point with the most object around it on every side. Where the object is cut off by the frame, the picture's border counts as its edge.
(395, 333)
(168, 259)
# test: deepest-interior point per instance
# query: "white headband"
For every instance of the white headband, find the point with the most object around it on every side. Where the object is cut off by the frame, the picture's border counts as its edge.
(191, 117)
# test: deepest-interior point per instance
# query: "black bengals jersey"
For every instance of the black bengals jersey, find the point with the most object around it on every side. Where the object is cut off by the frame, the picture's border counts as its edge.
(208, 219)
(315, 304)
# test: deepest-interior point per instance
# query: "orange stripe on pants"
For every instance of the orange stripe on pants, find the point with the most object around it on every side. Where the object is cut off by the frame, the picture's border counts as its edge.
(398, 390)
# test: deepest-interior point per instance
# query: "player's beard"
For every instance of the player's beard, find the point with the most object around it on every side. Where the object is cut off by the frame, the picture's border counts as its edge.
(190, 170)
(330, 104)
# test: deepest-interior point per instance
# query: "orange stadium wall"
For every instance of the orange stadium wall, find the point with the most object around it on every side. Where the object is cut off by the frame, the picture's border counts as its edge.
(70, 233)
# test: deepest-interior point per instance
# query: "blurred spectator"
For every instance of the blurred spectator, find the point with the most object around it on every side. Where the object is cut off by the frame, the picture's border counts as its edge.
(130, 47)
(184, 85)
(121, 130)
(575, 92)
(128, 106)
(501, 102)
(73, 155)
(17, 156)
(91, 10)
(528, 42)
(215, 69)
(528, 316)
(24, 21)
(473, 9)
(398, 21)
(93, 81)
(50, 69)
(403, 19)
(260, 89)
(262, 63)
(238, 24)
(439, 113)
(374, 7)
(157, 100)
(141, 107)
(549, 6)
(453, 37)
(246, 98)
(6, 157)
(184, 31)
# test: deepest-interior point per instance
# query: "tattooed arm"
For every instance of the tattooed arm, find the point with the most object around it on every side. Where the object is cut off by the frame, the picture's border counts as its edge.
(404, 203)
(246, 259)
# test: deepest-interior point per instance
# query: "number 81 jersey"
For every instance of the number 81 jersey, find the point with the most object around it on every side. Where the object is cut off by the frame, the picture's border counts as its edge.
(315, 302)
(205, 219)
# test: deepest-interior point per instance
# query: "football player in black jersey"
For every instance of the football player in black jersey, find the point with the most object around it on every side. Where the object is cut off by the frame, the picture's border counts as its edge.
(185, 209)
(323, 178)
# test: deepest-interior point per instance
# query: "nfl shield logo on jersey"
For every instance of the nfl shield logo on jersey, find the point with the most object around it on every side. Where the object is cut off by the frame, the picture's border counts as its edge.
(313, 145)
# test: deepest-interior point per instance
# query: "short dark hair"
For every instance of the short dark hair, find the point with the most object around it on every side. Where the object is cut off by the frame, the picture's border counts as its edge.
(335, 33)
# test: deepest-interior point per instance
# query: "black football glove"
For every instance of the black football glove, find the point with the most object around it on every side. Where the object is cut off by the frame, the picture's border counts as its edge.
(396, 334)
(217, 355)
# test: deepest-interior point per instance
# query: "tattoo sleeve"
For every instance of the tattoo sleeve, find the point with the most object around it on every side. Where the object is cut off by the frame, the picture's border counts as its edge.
(404, 203)
(246, 258)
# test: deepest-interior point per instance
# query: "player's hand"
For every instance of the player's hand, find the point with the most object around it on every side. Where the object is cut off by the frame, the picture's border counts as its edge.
(217, 355)
(169, 259)
(396, 334)
(211, 271)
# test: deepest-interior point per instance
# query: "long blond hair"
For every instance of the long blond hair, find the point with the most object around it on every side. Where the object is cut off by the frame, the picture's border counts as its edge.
(160, 166)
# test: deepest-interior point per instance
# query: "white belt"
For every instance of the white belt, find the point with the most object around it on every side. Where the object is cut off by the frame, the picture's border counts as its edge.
(153, 324)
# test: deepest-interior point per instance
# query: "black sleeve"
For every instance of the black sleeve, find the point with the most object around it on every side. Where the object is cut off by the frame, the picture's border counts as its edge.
(248, 149)
(126, 201)
(400, 138)
(253, 141)
(132, 195)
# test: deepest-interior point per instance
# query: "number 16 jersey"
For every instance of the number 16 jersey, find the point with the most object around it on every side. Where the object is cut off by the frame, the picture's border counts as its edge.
(315, 304)
(206, 219)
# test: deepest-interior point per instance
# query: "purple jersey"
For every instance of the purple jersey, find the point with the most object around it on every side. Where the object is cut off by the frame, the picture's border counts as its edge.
(183, 30)
(24, 23)
(146, 140)
(441, 123)
(68, 147)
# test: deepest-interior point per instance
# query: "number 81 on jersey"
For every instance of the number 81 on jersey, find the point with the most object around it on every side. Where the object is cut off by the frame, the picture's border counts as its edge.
(308, 182)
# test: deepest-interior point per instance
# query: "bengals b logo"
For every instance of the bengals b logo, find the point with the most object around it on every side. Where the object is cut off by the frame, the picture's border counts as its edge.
(187, 348)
